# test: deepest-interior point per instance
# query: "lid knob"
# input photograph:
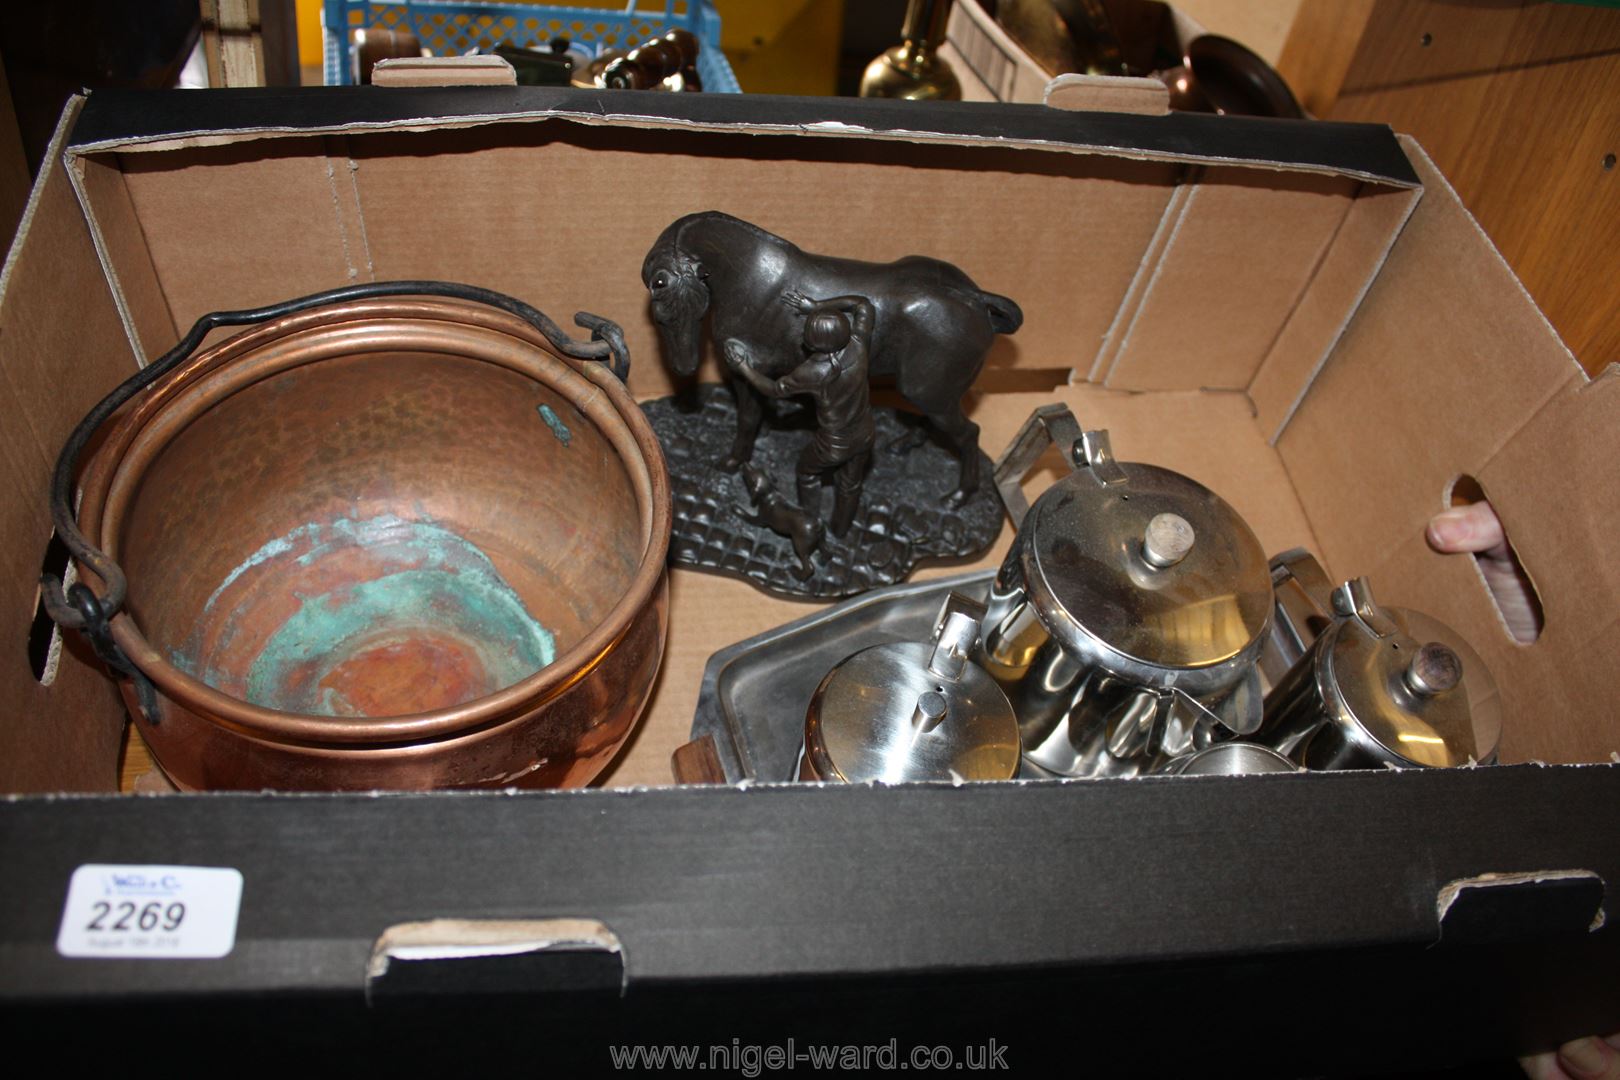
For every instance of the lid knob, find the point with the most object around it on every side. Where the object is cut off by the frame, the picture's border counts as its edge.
(1434, 670)
(1167, 540)
(929, 712)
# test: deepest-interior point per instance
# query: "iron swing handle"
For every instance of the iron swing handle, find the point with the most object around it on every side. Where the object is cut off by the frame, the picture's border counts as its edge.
(79, 607)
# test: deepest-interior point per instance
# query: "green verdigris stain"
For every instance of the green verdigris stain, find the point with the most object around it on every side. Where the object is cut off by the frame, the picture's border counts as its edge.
(444, 588)
(480, 610)
(554, 422)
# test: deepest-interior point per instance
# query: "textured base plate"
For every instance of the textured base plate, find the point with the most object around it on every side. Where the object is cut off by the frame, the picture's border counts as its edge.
(902, 520)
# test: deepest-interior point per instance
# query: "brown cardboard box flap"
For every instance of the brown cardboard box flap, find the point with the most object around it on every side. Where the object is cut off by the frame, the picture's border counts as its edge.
(62, 344)
(1348, 266)
(1448, 370)
(126, 261)
(1244, 247)
(1107, 93)
(443, 71)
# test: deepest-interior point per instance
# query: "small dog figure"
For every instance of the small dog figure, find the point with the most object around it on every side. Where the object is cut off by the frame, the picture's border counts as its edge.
(780, 516)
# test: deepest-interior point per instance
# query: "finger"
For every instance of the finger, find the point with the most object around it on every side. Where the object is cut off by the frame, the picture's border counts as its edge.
(1474, 527)
(1590, 1058)
(1543, 1066)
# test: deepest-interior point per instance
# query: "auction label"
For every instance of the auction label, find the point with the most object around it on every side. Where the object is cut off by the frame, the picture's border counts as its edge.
(150, 912)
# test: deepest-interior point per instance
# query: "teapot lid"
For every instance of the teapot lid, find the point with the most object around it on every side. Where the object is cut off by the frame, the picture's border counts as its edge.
(915, 710)
(1146, 561)
(1409, 681)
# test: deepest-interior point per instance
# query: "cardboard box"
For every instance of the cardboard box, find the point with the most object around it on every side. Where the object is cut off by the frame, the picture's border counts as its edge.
(1302, 316)
(991, 65)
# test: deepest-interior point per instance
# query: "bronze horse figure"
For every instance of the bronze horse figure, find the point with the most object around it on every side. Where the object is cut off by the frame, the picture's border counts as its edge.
(932, 330)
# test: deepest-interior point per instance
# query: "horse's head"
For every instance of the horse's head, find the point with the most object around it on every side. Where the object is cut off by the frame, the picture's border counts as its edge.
(680, 296)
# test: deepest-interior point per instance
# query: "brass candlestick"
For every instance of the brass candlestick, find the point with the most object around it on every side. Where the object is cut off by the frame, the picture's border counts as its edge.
(913, 69)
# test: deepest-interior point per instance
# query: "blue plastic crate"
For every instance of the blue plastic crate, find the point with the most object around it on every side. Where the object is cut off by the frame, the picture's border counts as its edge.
(453, 29)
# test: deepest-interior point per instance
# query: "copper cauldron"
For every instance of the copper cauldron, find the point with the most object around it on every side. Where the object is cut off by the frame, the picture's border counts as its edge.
(381, 539)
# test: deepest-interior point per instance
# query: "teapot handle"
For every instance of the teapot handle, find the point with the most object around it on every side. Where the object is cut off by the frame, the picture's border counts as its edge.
(1051, 425)
(1304, 607)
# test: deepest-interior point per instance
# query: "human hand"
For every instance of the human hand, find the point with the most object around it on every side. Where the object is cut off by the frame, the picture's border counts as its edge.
(1476, 529)
(797, 300)
(736, 354)
(1590, 1058)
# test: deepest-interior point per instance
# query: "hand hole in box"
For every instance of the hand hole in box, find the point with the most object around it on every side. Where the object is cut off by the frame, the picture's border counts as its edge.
(1472, 526)
(44, 636)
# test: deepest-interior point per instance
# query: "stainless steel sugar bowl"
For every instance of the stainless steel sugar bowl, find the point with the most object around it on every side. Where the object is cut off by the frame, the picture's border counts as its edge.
(1228, 759)
(1126, 621)
(1376, 686)
(913, 710)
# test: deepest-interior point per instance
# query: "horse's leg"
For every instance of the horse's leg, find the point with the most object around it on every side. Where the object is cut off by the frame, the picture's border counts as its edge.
(963, 435)
(750, 414)
(936, 364)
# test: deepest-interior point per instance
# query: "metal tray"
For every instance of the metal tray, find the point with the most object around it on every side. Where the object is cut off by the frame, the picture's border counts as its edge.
(755, 693)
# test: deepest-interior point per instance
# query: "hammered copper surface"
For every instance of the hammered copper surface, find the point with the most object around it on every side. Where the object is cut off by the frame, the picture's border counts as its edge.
(290, 472)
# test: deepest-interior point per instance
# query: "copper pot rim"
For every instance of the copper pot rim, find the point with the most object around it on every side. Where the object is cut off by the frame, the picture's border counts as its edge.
(438, 319)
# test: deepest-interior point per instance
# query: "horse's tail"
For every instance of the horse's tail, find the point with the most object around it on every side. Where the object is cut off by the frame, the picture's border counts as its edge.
(1005, 316)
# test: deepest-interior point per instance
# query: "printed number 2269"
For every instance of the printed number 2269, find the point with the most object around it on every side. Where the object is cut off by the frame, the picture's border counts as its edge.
(127, 916)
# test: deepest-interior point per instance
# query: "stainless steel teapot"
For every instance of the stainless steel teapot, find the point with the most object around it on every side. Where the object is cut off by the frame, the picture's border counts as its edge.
(1126, 621)
(1366, 686)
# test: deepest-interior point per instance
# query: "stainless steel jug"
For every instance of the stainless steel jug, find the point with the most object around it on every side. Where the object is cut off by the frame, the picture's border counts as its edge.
(1126, 621)
(1372, 686)
(913, 710)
